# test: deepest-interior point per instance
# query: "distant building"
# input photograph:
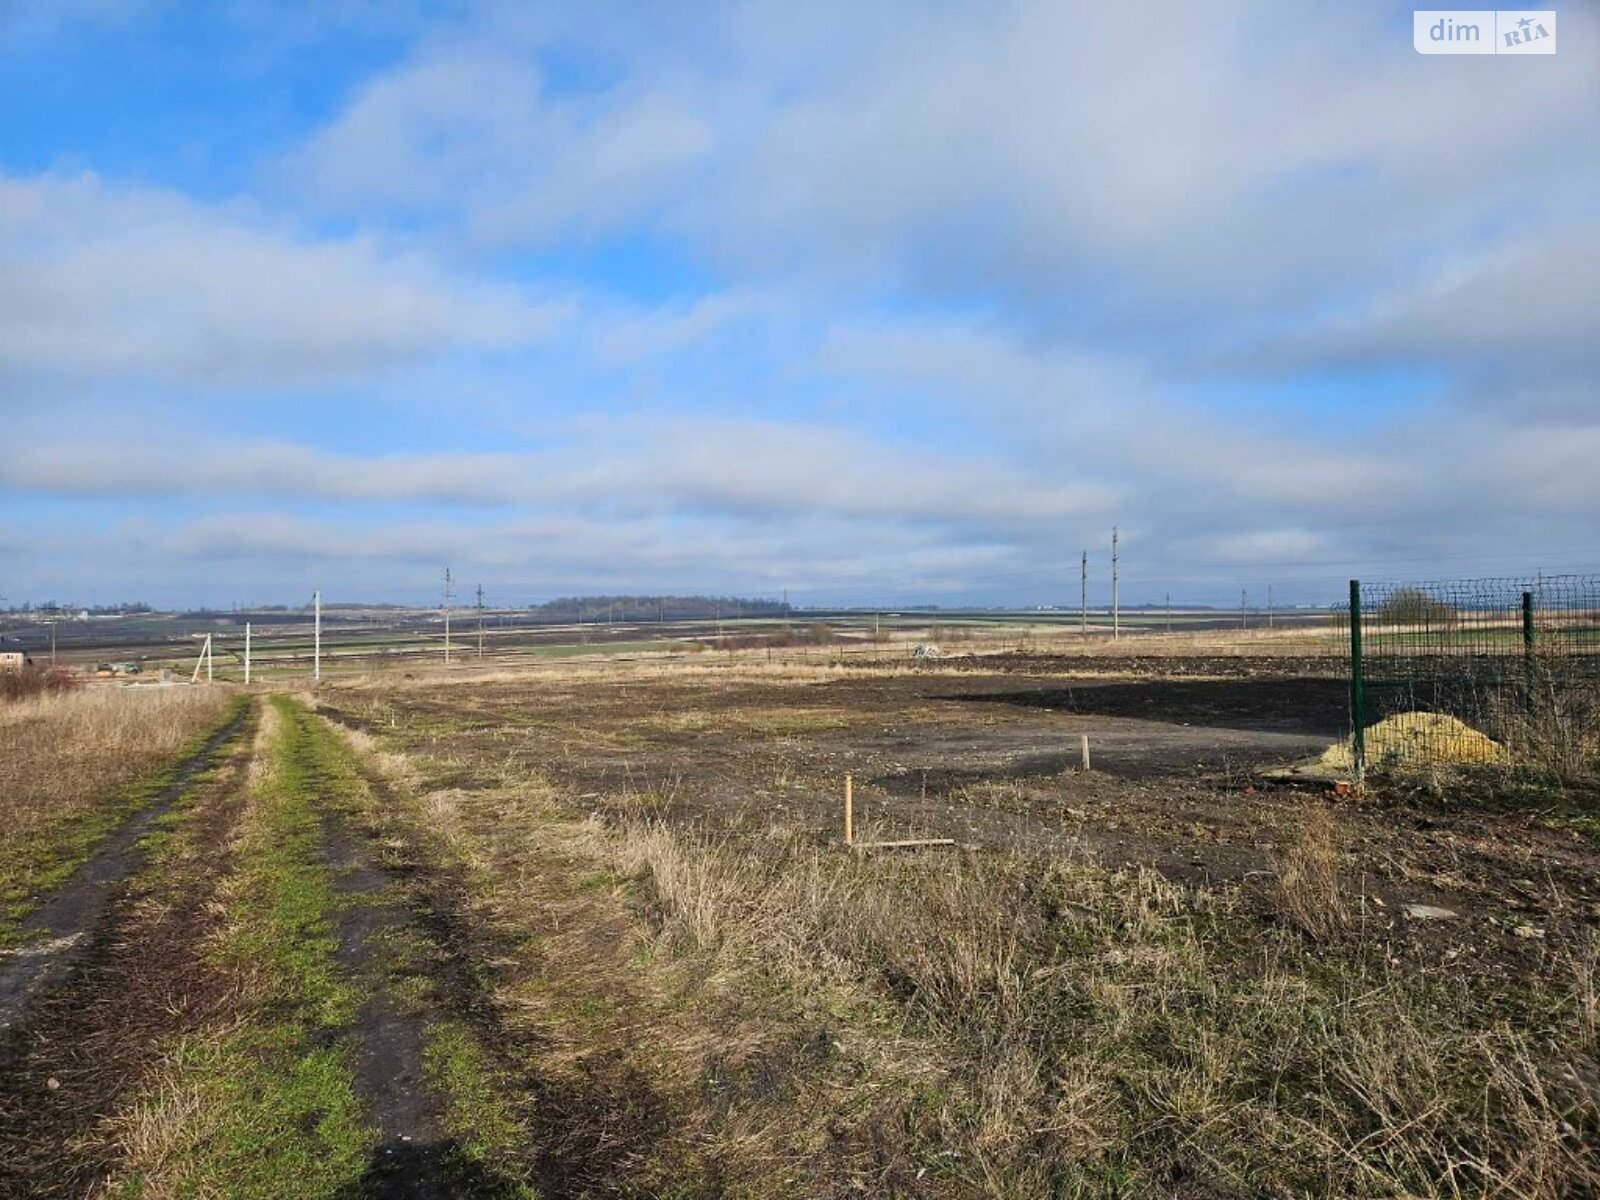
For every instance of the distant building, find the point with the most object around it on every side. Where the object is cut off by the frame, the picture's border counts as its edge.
(14, 660)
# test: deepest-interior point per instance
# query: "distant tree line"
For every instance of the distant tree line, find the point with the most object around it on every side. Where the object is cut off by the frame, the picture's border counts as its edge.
(96, 610)
(576, 609)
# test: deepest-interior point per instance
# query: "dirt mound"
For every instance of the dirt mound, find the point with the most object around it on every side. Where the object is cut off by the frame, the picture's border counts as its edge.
(1418, 737)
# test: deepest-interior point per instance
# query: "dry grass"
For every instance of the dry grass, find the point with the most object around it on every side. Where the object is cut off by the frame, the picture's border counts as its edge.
(1553, 728)
(985, 1023)
(70, 758)
(1308, 876)
(1100, 1031)
(35, 681)
(1001, 1024)
(69, 750)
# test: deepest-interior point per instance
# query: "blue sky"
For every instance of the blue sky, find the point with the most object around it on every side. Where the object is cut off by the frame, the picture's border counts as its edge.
(875, 304)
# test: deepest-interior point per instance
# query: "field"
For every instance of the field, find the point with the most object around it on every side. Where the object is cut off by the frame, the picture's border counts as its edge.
(578, 920)
(355, 640)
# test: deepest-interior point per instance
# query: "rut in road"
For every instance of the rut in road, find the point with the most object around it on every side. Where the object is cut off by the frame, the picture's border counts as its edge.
(58, 932)
(138, 980)
(398, 1027)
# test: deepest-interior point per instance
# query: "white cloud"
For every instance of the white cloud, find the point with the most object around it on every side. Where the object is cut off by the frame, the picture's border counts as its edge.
(127, 282)
(741, 470)
(1096, 203)
(622, 336)
(1529, 307)
(1217, 152)
(468, 130)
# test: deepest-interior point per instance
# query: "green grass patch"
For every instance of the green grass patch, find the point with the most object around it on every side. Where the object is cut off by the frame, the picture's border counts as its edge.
(485, 1126)
(272, 1104)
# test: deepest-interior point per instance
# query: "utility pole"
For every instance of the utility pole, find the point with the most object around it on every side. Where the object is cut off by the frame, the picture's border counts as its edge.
(316, 644)
(1269, 606)
(447, 616)
(52, 641)
(480, 620)
(247, 654)
(1169, 612)
(1083, 595)
(1116, 599)
(1244, 611)
(205, 659)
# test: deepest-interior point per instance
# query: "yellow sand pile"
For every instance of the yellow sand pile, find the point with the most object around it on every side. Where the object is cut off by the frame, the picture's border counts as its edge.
(1419, 737)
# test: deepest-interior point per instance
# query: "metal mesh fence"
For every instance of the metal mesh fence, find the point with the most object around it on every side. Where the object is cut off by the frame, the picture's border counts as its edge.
(1476, 671)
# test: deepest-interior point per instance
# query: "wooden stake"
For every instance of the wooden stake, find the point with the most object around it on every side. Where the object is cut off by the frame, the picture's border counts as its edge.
(1086, 752)
(849, 812)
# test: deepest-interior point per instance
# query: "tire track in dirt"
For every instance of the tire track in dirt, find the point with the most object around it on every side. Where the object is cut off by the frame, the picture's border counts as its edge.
(415, 1157)
(57, 934)
(138, 982)
(594, 1131)
(382, 943)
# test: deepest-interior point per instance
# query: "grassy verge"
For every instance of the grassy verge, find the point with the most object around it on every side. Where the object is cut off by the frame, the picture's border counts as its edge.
(42, 850)
(86, 1047)
(261, 1102)
(482, 1108)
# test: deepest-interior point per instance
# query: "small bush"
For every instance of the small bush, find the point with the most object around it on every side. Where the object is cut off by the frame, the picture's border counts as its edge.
(1413, 606)
(36, 681)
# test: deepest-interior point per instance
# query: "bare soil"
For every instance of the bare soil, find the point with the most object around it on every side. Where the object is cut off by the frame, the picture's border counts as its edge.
(991, 758)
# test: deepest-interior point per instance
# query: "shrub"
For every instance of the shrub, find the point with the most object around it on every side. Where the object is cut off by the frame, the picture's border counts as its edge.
(1413, 606)
(36, 681)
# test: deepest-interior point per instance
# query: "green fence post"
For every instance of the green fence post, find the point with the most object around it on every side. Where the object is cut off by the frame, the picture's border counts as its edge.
(1527, 651)
(1358, 691)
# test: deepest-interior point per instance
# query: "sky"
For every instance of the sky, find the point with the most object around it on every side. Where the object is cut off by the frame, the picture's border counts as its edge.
(871, 303)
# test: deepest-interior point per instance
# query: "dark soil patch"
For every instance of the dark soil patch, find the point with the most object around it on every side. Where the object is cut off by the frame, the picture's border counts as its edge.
(1315, 707)
(415, 1158)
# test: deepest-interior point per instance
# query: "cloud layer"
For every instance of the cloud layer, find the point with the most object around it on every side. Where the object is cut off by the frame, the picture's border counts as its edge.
(133, 282)
(863, 302)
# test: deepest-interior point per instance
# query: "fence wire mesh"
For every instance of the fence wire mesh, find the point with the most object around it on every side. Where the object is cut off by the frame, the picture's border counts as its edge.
(1477, 671)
